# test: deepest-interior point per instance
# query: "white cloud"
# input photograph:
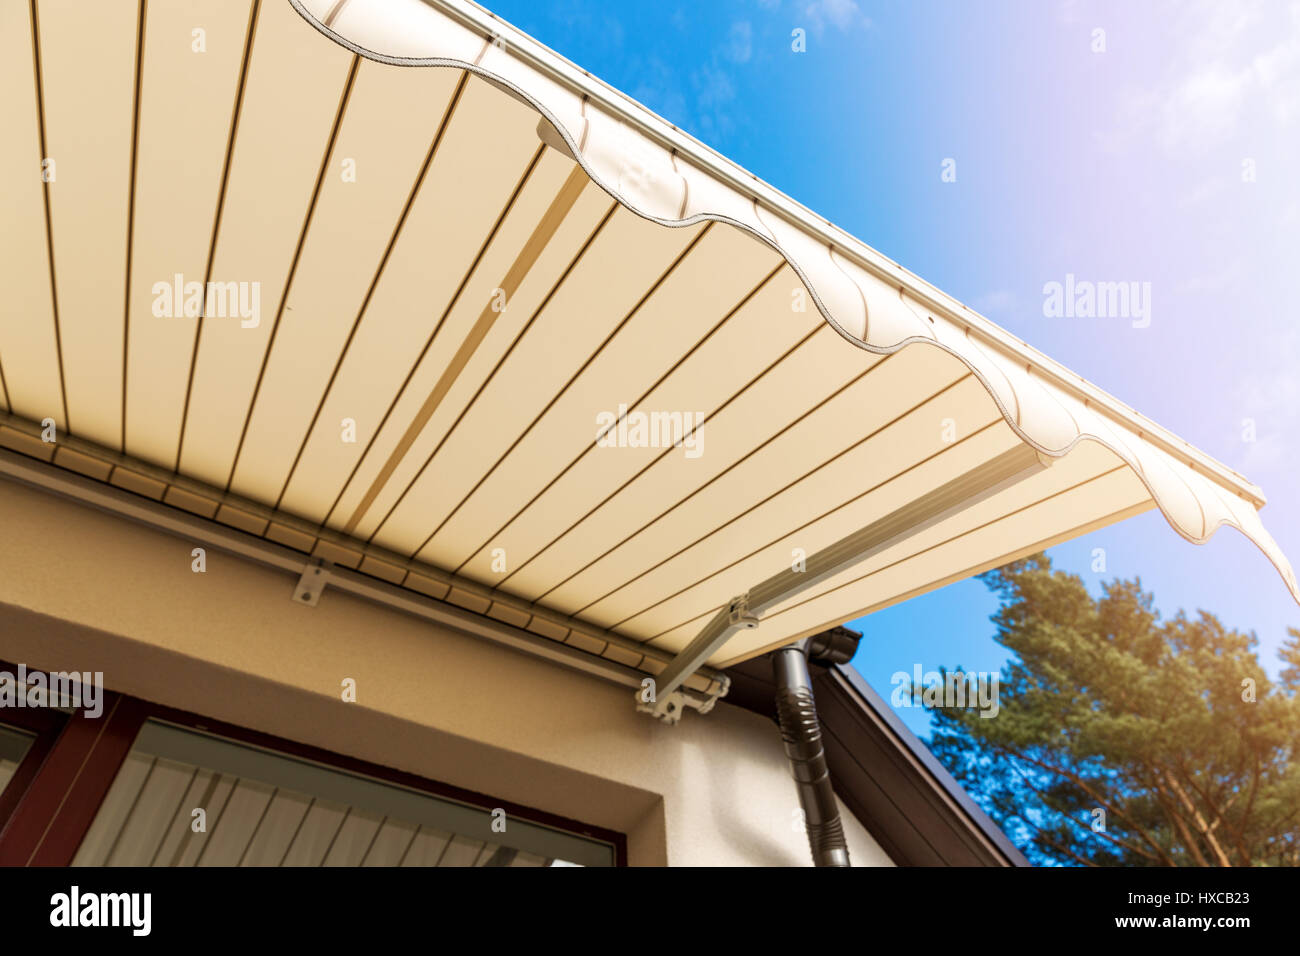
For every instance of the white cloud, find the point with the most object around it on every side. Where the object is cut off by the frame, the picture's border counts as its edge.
(1270, 399)
(841, 14)
(740, 42)
(713, 88)
(1001, 301)
(1204, 192)
(1230, 275)
(1220, 85)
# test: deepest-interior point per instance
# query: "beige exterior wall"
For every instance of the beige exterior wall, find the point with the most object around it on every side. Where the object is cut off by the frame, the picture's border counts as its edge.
(83, 590)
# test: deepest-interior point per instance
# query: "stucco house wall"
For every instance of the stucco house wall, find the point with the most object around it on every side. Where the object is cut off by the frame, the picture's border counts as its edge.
(84, 590)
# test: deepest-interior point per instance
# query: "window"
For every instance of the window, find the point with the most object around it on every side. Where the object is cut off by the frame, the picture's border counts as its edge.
(14, 745)
(26, 736)
(186, 798)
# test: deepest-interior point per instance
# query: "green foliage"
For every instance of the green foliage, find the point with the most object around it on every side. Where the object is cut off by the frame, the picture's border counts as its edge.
(1105, 706)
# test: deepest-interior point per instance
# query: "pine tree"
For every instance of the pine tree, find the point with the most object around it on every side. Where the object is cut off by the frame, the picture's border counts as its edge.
(1124, 739)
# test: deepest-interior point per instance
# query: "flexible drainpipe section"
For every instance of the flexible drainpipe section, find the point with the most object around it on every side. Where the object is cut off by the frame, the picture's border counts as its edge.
(801, 731)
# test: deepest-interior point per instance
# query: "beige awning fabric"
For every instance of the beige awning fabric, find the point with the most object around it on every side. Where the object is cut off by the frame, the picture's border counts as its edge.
(473, 314)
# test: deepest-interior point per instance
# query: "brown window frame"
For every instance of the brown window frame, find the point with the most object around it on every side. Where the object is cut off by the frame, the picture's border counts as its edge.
(45, 816)
(45, 724)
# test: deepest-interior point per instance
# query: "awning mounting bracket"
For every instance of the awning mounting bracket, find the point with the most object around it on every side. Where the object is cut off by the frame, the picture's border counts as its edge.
(312, 582)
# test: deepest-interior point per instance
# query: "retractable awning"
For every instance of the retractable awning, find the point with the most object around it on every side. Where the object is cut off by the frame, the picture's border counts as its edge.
(388, 282)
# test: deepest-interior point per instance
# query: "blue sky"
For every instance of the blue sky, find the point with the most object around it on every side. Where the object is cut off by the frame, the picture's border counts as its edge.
(1160, 150)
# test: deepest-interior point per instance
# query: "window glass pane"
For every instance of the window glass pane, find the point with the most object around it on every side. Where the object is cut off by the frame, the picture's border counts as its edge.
(14, 745)
(184, 798)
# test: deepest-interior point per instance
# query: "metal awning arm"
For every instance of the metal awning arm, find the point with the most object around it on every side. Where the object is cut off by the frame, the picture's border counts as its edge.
(734, 617)
(744, 611)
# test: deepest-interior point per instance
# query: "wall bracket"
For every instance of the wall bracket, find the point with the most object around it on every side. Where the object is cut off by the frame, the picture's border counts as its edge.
(311, 585)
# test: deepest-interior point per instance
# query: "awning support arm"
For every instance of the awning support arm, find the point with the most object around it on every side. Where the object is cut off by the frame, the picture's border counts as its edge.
(744, 611)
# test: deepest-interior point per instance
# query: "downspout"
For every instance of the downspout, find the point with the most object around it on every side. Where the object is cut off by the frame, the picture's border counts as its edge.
(801, 731)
